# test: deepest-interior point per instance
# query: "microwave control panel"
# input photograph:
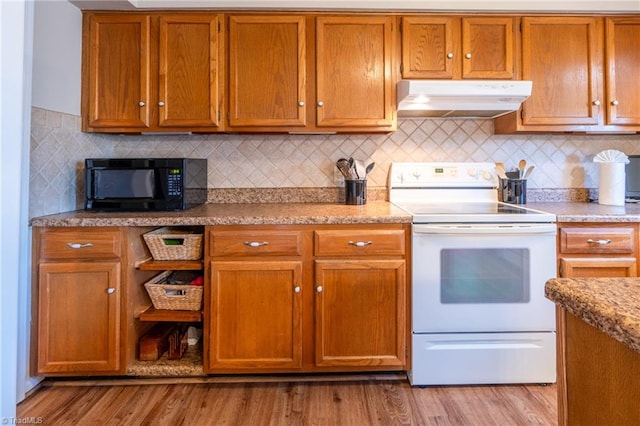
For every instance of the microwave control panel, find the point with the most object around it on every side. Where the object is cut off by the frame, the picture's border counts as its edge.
(174, 182)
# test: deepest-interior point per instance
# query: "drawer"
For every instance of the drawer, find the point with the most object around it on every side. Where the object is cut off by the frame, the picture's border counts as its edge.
(389, 242)
(87, 243)
(255, 243)
(597, 240)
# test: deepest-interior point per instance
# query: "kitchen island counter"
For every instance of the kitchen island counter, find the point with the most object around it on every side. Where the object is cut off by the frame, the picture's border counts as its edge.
(598, 350)
(237, 214)
(612, 305)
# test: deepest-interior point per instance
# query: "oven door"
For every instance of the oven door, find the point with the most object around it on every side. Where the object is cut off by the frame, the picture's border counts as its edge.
(482, 277)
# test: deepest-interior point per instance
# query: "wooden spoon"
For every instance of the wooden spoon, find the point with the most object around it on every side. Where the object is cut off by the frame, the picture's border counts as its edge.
(521, 166)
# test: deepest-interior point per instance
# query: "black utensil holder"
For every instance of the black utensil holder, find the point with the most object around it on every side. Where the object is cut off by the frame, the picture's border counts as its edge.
(355, 191)
(514, 191)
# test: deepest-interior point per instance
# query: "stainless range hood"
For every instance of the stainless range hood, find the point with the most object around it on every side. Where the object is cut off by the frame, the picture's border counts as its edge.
(460, 98)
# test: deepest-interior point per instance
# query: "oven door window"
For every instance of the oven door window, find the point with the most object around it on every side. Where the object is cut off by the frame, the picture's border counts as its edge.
(484, 275)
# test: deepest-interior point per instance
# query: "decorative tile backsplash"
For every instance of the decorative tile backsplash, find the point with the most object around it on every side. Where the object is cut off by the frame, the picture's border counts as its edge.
(58, 150)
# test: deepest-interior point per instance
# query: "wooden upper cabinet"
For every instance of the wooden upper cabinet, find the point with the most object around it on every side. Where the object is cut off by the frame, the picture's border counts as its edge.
(622, 37)
(307, 73)
(267, 68)
(188, 93)
(442, 47)
(116, 66)
(149, 72)
(488, 48)
(429, 47)
(354, 73)
(563, 58)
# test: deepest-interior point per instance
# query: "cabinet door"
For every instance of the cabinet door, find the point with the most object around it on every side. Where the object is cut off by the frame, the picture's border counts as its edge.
(360, 313)
(188, 92)
(562, 56)
(117, 71)
(622, 62)
(267, 71)
(255, 315)
(354, 79)
(595, 267)
(79, 308)
(431, 47)
(488, 48)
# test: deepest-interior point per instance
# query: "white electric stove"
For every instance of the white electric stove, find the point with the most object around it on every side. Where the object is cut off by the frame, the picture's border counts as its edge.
(479, 266)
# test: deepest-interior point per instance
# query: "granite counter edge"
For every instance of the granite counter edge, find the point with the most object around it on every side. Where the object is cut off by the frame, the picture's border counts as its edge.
(604, 316)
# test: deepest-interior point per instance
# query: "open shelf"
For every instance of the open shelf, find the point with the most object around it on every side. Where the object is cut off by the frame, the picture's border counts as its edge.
(158, 315)
(175, 265)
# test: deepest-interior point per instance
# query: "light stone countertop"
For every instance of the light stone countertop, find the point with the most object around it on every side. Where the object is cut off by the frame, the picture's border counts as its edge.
(589, 212)
(612, 305)
(237, 214)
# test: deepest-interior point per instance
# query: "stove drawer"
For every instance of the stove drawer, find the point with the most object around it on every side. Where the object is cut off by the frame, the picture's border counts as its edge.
(380, 242)
(597, 240)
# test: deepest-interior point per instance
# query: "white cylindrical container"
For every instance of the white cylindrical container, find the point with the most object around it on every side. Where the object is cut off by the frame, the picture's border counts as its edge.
(612, 184)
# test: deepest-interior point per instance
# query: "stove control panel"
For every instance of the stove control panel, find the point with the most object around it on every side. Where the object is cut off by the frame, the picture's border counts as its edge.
(442, 175)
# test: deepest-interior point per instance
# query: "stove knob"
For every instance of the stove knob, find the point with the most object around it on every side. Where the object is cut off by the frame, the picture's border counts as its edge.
(486, 175)
(416, 174)
(472, 172)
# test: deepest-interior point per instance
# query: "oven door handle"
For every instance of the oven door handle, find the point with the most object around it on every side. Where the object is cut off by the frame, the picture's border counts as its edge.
(489, 228)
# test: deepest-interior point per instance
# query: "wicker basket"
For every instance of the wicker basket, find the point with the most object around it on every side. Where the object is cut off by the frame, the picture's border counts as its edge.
(174, 244)
(174, 297)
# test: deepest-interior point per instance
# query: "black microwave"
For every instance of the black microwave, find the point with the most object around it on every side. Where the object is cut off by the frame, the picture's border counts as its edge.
(145, 184)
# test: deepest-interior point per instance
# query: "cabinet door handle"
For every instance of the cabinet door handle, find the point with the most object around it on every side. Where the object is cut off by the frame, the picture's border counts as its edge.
(599, 242)
(468, 56)
(79, 245)
(360, 243)
(141, 103)
(255, 243)
(450, 55)
(111, 290)
(301, 103)
(296, 289)
(161, 103)
(320, 103)
(596, 102)
(614, 103)
(319, 289)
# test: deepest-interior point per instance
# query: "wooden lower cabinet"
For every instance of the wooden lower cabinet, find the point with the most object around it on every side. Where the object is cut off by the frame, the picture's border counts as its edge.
(79, 317)
(599, 377)
(597, 250)
(360, 313)
(78, 286)
(255, 315)
(277, 299)
(306, 298)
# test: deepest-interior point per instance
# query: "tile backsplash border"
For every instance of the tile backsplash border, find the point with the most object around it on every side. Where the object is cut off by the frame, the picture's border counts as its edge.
(303, 166)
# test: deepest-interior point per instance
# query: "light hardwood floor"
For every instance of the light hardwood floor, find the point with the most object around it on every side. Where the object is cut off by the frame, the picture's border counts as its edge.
(348, 401)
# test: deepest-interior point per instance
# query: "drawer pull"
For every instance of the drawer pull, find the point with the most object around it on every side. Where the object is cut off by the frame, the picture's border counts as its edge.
(79, 245)
(296, 289)
(255, 243)
(599, 242)
(111, 290)
(360, 243)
